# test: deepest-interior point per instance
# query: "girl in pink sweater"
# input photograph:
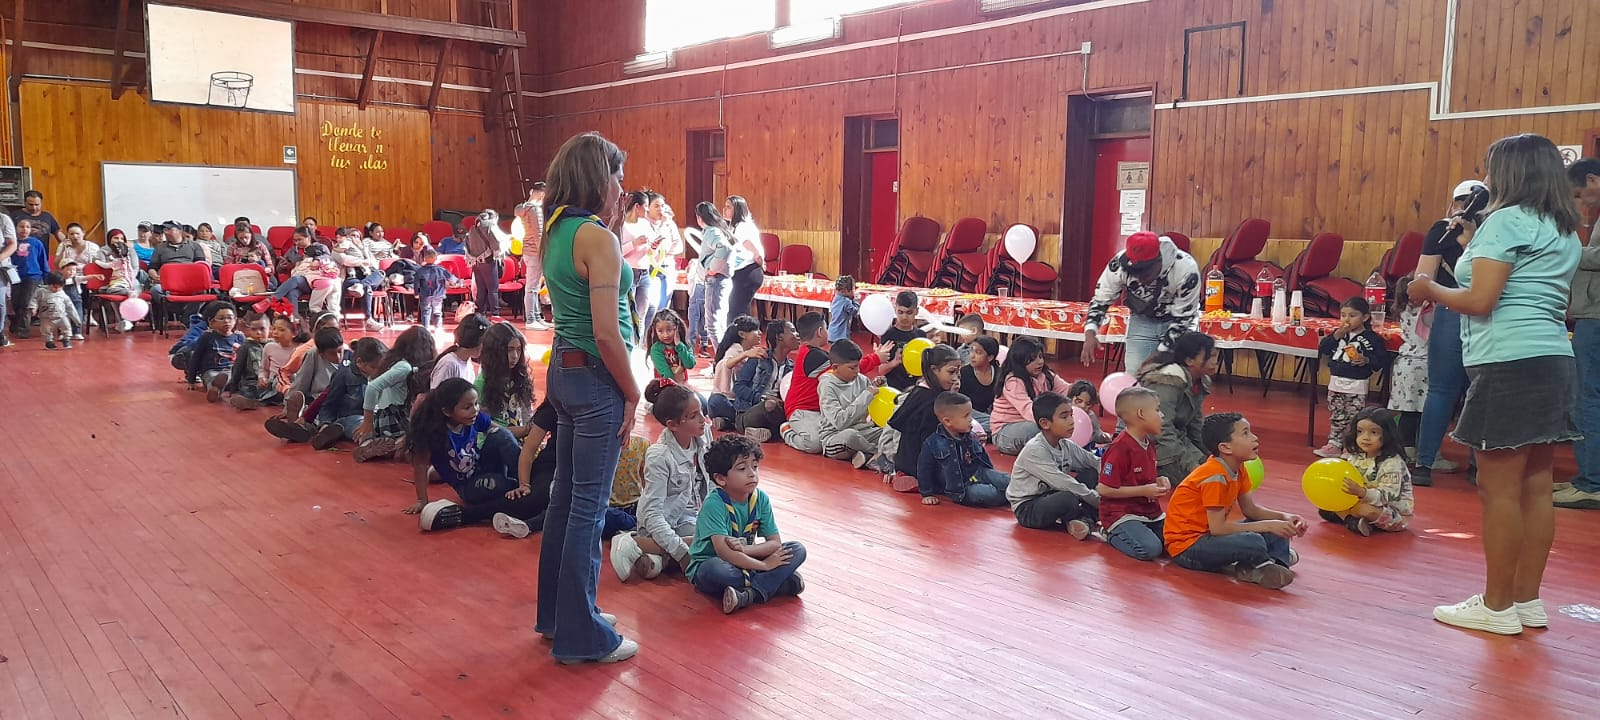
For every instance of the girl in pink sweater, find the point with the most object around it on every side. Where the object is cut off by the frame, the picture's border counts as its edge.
(1025, 377)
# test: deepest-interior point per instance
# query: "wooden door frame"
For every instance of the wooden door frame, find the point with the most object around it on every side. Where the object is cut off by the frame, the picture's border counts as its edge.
(855, 231)
(1077, 208)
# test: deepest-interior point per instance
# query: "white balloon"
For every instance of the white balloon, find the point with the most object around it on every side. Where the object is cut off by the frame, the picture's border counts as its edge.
(877, 313)
(1021, 242)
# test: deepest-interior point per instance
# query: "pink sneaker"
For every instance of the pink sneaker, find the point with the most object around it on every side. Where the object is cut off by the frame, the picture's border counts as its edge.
(1329, 451)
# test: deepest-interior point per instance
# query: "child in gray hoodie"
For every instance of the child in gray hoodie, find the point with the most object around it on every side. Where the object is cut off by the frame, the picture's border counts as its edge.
(844, 393)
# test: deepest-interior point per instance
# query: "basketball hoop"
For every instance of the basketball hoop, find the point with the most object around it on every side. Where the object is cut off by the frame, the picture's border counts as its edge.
(230, 88)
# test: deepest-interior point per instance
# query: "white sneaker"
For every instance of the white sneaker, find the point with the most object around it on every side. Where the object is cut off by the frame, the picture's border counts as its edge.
(374, 326)
(1571, 497)
(1472, 614)
(77, 336)
(1445, 466)
(126, 326)
(1531, 613)
(439, 515)
(859, 461)
(624, 553)
(1078, 529)
(507, 525)
(1329, 451)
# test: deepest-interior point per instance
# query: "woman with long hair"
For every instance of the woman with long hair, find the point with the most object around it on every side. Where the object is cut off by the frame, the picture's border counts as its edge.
(452, 436)
(716, 248)
(638, 244)
(590, 290)
(664, 258)
(744, 265)
(1515, 277)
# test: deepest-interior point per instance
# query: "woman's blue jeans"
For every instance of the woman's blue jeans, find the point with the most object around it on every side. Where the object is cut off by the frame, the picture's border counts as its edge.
(1447, 379)
(589, 409)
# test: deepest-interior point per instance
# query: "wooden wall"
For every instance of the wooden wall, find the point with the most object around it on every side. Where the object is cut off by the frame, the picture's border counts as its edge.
(450, 161)
(984, 123)
(70, 129)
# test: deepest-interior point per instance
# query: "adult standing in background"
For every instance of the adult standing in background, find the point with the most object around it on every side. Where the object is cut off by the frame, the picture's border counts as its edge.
(484, 255)
(1160, 284)
(595, 406)
(716, 250)
(745, 263)
(1584, 490)
(43, 223)
(663, 257)
(638, 244)
(76, 248)
(1515, 277)
(1447, 378)
(531, 213)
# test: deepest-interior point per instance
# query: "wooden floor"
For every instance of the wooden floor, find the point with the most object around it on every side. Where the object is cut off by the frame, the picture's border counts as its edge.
(160, 557)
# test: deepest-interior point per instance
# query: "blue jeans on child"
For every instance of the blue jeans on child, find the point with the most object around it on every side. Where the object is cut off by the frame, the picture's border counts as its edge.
(589, 415)
(988, 491)
(1137, 539)
(719, 406)
(1215, 553)
(1447, 379)
(715, 575)
(697, 316)
(1586, 345)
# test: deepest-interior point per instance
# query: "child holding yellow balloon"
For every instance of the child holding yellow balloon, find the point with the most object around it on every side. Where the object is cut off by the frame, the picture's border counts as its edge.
(1385, 501)
(845, 393)
(904, 330)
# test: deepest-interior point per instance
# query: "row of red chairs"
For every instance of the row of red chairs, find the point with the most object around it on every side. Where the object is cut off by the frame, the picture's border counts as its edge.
(918, 257)
(1311, 272)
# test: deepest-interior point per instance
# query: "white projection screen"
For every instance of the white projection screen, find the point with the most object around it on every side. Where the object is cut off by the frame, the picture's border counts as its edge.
(198, 57)
(194, 194)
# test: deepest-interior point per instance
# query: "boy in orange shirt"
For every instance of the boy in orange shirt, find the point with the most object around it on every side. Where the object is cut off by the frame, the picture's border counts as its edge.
(1199, 533)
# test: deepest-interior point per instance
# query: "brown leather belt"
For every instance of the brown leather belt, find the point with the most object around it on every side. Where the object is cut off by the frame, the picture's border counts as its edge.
(574, 358)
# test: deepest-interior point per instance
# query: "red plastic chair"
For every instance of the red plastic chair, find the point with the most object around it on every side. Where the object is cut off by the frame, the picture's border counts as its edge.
(795, 260)
(457, 265)
(395, 295)
(1312, 274)
(469, 222)
(225, 281)
(770, 247)
(281, 238)
(436, 230)
(1000, 269)
(1236, 258)
(1401, 260)
(511, 281)
(961, 252)
(1037, 280)
(1179, 239)
(909, 261)
(183, 283)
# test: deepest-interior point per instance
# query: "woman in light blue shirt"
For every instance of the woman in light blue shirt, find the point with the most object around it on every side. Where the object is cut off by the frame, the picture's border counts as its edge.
(1515, 277)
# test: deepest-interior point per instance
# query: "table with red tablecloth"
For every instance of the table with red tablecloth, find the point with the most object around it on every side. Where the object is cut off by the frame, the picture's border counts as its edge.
(1064, 320)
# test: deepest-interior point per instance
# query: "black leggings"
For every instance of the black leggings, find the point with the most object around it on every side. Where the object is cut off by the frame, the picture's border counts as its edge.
(485, 495)
(746, 282)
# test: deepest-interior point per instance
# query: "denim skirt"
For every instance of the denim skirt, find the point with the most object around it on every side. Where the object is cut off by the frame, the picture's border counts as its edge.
(1519, 403)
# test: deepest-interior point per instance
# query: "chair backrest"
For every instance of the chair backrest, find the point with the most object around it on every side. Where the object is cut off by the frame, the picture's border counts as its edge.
(795, 259)
(94, 276)
(1317, 261)
(1179, 239)
(919, 234)
(1244, 243)
(770, 247)
(185, 278)
(281, 238)
(966, 236)
(436, 230)
(469, 222)
(1402, 258)
(226, 273)
(511, 270)
(457, 265)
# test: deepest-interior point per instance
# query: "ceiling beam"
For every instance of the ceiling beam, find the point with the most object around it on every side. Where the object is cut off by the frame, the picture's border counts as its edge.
(438, 77)
(277, 10)
(19, 52)
(119, 45)
(365, 93)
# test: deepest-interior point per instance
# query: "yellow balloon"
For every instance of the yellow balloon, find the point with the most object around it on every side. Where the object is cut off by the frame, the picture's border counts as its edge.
(1323, 484)
(912, 355)
(545, 358)
(882, 406)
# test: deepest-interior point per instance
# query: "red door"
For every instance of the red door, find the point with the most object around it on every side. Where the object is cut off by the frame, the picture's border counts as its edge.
(1106, 238)
(883, 204)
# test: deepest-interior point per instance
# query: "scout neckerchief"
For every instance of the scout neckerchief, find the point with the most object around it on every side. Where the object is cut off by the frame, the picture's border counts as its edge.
(577, 213)
(746, 531)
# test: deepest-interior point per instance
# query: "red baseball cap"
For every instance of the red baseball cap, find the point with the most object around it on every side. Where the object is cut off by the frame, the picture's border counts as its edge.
(1143, 247)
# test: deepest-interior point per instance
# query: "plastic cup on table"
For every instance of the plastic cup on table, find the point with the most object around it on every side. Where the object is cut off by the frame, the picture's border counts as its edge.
(1005, 292)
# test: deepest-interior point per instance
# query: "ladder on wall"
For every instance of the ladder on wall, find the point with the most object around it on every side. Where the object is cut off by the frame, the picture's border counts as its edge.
(508, 68)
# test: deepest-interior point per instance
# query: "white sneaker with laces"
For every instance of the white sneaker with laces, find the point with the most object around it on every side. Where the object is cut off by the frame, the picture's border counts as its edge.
(1531, 613)
(1472, 614)
(657, 565)
(625, 552)
(1445, 466)
(507, 525)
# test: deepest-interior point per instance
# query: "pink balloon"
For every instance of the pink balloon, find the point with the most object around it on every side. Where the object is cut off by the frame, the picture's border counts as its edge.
(133, 309)
(1113, 386)
(1082, 427)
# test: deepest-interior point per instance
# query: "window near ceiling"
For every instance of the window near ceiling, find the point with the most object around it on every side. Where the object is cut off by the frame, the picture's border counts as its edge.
(804, 11)
(671, 24)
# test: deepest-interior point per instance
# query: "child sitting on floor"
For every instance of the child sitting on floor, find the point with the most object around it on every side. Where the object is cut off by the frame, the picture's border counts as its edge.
(452, 437)
(904, 330)
(1025, 377)
(972, 328)
(674, 486)
(336, 413)
(1084, 396)
(738, 553)
(914, 419)
(980, 376)
(802, 405)
(505, 389)
(670, 355)
(846, 432)
(1053, 480)
(740, 344)
(314, 371)
(1129, 513)
(211, 357)
(270, 382)
(953, 462)
(246, 371)
(1200, 535)
(757, 406)
(385, 406)
(1386, 501)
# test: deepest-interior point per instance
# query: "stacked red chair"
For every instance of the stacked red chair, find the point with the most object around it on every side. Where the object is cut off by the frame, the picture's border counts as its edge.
(960, 262)
(909, 260)
(1002, 270)
(1312, 274)
(1401, 260)
(1236, 258)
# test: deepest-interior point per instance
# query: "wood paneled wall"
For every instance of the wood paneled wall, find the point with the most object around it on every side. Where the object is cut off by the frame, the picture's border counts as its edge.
(70, 129)
(983, 120)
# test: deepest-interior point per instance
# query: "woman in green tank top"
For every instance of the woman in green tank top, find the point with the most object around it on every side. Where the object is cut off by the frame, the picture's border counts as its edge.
(589, 296)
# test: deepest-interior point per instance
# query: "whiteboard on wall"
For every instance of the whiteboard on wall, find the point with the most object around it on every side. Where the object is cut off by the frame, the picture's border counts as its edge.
(193, 194)
(199, 57)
